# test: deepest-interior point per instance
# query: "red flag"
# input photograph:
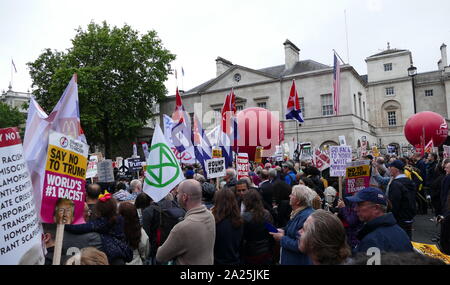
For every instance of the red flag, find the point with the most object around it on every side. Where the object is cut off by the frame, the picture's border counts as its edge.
(429, 147)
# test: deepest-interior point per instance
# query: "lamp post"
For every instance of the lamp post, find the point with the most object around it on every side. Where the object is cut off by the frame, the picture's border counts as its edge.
(412, 72)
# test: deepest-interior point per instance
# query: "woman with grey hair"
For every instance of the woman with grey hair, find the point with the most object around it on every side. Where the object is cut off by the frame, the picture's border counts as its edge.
(301, 200)
(324, 239)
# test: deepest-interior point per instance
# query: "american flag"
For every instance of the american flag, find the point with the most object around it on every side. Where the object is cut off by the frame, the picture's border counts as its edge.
(336, 84)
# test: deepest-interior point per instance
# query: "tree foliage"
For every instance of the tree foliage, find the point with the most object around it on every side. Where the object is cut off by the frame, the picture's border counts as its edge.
(121, 76)
(10, 117)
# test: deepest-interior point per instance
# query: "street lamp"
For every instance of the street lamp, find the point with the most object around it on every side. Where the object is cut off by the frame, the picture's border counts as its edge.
(412, 72)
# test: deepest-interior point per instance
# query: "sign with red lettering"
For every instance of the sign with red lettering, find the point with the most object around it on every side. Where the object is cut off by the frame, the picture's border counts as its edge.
(19, 230)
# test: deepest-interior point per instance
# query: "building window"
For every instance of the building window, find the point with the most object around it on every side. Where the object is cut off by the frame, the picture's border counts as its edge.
(327, 104)
(390, 91)
(302, 105)
(239, 108)
(364, 109)
(388, 67)
(261, 105)
(429, 92)
(392, 119)
(354, 104)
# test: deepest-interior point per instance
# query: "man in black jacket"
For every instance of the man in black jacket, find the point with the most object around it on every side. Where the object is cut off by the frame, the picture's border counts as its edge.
(402, 195)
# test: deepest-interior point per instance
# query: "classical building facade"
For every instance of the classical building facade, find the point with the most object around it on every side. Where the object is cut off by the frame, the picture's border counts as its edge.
(374, 107)
(15, 99)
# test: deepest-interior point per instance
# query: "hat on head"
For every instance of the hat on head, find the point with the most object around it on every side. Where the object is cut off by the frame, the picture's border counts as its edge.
(369, 194)
(189, 174)
(397, 164)
(267, 165)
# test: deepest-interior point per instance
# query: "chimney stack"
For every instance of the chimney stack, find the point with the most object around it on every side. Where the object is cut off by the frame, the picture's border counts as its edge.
(443, 61)
(222, 65)
(291, 54)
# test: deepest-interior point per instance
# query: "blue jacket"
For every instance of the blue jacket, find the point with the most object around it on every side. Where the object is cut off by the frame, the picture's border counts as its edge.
(383, 233)
(290, 178)
(290, 254)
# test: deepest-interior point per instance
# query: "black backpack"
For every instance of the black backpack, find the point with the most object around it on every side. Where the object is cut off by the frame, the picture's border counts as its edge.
(167, 218)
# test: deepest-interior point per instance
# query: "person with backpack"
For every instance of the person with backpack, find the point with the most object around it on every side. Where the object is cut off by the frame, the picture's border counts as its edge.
(158, 219)
(191, 241)
(289, 174)
(413, 174)
(402, 194)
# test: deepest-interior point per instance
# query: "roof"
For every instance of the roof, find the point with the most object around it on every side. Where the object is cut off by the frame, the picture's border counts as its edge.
(300, 67)
(388, 51)
(425, 77)
(277, 71)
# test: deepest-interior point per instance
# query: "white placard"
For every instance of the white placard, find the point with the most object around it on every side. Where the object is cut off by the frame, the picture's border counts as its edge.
(340, 156)
(215, 167)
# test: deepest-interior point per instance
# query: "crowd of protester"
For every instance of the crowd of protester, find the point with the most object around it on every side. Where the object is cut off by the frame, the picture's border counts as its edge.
(286, 213)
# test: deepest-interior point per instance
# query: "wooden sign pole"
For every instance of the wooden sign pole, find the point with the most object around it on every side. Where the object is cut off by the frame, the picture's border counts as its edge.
(58, 244)
(340, 187)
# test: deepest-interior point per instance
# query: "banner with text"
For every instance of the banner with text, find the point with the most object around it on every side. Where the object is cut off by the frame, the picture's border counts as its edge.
(357, 176)
(65, 179)
(92, 167)
(340, 156)
(19, 222)
(243, 166)
(321, 160)
(215, 167)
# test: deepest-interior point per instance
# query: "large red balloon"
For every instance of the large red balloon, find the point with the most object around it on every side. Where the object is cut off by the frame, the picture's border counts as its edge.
(257, 127)
(429, 123)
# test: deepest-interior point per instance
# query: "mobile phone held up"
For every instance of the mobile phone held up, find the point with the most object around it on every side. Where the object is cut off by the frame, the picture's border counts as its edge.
(270, 227)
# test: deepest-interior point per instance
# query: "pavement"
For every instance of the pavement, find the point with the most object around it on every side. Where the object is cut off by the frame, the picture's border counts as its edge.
(425, 229)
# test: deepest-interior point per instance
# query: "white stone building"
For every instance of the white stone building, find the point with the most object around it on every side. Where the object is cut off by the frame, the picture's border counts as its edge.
(375, 106)
(15, 99)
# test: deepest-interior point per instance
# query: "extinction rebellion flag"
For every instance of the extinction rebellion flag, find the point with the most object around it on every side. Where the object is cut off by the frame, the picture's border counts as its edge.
(163, 170)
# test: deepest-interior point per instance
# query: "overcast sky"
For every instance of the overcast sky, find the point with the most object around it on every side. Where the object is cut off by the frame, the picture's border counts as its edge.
(246, 32)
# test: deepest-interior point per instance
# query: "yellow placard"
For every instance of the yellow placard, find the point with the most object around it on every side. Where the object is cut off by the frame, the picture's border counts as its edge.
(357, 171)
(431, 250)
(66, 162)
(258, 154)
(216, 152)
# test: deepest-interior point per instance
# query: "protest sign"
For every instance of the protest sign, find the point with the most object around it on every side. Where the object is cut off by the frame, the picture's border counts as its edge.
(19, 230)
(258, 154)
(375, 151)
(242, 165)
(340, 156)
(64, 182)
(321, 160)
(216, 152)
(215, 167)
(105, 171)
(446, 153)
(357, 176)
(92, 167)
(134, 164)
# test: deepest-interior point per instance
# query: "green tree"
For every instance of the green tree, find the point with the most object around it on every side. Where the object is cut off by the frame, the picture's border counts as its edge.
(10, 117)
(121, 76)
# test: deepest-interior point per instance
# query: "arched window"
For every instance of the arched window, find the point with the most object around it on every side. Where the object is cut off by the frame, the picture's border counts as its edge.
(392, 115)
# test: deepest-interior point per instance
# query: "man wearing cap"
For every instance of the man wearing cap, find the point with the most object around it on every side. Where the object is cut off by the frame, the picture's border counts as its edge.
(380, 229)
(402, 195)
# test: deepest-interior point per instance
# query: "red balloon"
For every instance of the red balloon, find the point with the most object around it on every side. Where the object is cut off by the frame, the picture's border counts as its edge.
(431, 124)
(257, 127)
